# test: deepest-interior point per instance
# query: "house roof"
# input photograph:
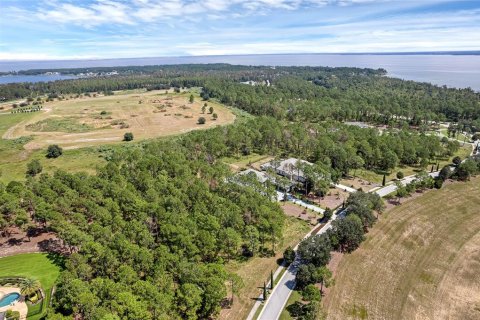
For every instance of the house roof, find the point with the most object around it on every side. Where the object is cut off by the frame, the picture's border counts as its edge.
(288, 166)
(261, 176)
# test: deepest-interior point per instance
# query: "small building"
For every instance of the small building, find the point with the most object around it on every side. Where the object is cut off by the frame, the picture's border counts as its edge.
(261, 176)
(288, 168)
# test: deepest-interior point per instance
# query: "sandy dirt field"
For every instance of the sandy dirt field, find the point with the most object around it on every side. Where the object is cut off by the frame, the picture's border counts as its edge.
(420, 261)
(79, 122)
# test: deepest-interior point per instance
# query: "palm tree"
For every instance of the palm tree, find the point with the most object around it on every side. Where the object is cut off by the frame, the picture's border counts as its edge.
(29, 287)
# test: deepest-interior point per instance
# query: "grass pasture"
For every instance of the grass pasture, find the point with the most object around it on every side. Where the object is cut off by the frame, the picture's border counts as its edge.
(82, 125)
(91, 121)
(420, 261)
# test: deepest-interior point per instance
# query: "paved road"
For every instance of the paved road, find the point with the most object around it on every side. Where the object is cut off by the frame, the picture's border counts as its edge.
(382, 192)
(281, 292)
(280, 196)
(291, 198)
(345, 188)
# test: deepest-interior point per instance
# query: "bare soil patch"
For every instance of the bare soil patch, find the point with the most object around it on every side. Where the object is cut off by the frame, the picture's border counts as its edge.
(358, 183)
(296, 211)
(332, 199)
(19, 242)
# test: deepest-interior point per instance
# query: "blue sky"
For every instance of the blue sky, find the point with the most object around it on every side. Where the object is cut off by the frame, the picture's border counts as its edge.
(54, 29)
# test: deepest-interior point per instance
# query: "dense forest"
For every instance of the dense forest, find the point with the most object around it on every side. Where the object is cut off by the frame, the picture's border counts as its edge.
(295, 93)
(148, 236)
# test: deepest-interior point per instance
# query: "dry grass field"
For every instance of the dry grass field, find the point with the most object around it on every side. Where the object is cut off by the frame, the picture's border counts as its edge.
(90, 121)
(420, 261)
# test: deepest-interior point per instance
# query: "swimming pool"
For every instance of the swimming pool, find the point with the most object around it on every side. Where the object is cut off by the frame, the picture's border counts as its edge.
(8, 299)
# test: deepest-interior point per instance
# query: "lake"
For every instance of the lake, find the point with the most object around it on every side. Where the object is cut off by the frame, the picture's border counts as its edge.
(458, 71)
(35, 78)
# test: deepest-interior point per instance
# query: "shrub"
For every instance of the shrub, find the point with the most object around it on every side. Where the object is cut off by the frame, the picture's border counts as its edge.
(438, 183)
(311, 293)
(201, 120)
(54, 151)
(103, 113)
(289, 255)
(128, 136)
(34, 167)
(328, 214)
(457, 160)
(12, 315)
(400, 175)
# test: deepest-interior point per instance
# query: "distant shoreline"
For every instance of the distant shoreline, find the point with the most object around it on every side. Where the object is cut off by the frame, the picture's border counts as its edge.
(457, 69)
(408, 53)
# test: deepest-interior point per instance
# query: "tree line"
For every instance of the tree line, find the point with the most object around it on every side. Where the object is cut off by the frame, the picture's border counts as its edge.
(297, 93)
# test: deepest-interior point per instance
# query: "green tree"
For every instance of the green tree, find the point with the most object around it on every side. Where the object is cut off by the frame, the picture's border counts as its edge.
(128, 136)
(325, 277)
(265, 292)
(347, 234)
(289, 255)
(191, 99)
(34, 167)
(29, 286)
(54, 151)
(327, 214)
(201, 120)
(305, 276)
(214, 116)
(457, 160)
(400, 175)
(252, 237)
(189, 300)
(272, 283)
(311, 293)
(210, 110)
(315, 250)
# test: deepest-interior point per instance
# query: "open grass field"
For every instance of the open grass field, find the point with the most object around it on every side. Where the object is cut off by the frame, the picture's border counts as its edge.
(37, 266)
(91, 121)
(14, 158)
(254, 271)
(80, 127)
(420, 261)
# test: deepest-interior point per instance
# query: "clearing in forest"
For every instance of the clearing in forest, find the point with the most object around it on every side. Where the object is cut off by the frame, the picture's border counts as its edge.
(89, 121)
(420, 261)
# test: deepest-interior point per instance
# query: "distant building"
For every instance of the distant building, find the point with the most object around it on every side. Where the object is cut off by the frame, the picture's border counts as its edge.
(260, 176)
(288, 168)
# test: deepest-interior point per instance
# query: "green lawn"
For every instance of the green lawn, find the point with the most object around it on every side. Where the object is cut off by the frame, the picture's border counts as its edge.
(35, 266)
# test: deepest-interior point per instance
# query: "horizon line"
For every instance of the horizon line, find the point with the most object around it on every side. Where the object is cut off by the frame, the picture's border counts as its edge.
(443, 52)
